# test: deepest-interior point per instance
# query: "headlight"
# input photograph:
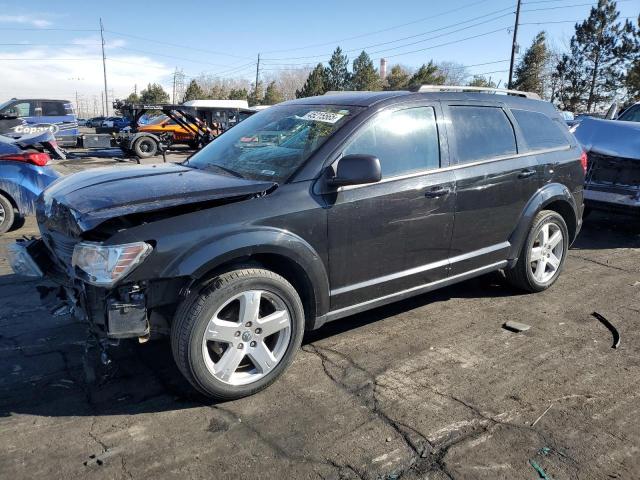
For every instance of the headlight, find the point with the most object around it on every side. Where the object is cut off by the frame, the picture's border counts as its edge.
(105, 265)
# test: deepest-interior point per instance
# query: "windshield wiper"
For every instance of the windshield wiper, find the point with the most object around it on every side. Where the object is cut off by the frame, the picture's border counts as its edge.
(225, 169)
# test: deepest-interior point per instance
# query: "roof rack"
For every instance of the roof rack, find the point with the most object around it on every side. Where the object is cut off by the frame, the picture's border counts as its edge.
(461, 88)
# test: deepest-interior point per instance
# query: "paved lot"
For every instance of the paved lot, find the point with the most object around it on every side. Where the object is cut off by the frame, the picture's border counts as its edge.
(431, 387)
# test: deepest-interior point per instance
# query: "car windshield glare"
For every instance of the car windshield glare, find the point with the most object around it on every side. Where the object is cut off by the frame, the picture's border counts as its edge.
(272, 144)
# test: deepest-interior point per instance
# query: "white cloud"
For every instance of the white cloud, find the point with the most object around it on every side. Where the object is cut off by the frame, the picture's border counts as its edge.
(25, 20)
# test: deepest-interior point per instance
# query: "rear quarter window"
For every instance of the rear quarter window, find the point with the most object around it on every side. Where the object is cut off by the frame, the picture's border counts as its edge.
(54, 109)
(481, 133)
(539, 131)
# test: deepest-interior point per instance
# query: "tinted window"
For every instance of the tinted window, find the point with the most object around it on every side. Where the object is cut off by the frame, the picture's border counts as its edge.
(481, 133)
(53, 109)
(539, 131)
(405, 141)
(631, 114)
(20, 109)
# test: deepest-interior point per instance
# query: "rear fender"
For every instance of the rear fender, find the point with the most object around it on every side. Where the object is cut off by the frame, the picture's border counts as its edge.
(550, 193)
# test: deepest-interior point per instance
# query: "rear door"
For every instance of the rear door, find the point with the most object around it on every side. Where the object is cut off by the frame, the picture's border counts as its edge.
(393, 235)
(494, 182)
(59, 113)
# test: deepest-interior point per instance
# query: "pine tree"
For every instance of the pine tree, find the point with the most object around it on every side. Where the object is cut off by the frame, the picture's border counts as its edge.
(316, 83)
(632, 79)
(193, 92)
(571, 85)
(257, 95)
(397, 79)
(133, 98)
(365, 76)
(530, 71)
(481, 81)
(602, 47)
(238, 94)
(427, 74)
(154, 93)
(272, 95)
(338, 77)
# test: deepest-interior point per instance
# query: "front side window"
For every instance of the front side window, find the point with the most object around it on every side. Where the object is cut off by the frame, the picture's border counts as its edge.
(404, 141)
(272, 144)
(631, 114)
(481, 133)
(539, 131)
(20, 109)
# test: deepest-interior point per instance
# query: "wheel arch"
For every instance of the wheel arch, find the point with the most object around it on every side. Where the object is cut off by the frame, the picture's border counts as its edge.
(279, 251)
(553, 196)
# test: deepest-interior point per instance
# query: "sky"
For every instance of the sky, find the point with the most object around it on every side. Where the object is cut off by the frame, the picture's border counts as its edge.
(52, 49)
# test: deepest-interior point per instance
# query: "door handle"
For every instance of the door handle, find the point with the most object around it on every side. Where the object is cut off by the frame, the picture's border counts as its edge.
(526, 173)
(437, 192)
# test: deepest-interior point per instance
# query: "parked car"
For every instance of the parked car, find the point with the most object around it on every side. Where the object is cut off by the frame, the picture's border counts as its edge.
(39, 115)
(613, 149)
(24, 174)
(95, 121)
(82, 122)
(376, 197)
(115, 122)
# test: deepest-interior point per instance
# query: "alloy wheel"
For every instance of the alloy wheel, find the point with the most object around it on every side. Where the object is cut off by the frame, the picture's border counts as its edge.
(247, 337)
(546, 252)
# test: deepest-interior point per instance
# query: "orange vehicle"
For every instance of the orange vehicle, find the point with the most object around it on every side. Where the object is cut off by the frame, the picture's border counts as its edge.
(164, 124)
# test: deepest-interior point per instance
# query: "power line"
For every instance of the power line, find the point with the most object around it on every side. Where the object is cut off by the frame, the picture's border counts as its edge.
(414, 36)
(190, 47)
(565, 21)
(334, 42)
(52, 29)
(567, 6)
(171, 56)
(49, 44)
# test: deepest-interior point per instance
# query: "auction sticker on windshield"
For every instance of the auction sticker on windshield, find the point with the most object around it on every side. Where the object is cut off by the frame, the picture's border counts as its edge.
(325, 117)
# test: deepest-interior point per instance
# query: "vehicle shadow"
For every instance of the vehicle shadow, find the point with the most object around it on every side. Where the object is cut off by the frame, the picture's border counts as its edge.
(605, 230)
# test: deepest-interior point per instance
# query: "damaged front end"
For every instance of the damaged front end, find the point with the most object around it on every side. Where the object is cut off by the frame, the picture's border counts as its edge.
(79, 217)
(613, 176)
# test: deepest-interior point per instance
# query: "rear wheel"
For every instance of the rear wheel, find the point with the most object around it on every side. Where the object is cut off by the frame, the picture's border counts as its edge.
(543, 253)
(7, 214)
(239, 334)
(145, 147)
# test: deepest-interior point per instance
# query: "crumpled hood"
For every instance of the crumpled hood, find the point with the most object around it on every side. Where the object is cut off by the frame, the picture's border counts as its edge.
(89, 198)
(614, 138)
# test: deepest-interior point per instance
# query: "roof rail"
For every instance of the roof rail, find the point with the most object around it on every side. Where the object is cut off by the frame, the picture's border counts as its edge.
(461, 88)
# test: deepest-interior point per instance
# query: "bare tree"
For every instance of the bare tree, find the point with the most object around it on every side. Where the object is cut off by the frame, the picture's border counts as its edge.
(454, 73)
(288, 80)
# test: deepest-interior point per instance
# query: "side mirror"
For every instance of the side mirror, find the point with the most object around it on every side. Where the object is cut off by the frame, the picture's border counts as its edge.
(356, 170)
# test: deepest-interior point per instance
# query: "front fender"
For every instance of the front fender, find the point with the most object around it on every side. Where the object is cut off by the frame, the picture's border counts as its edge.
(24, 183)
(204, 258)
(546, 195)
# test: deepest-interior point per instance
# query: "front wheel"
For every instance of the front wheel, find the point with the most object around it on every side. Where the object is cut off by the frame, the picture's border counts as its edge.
(543, 253)
(239, 334)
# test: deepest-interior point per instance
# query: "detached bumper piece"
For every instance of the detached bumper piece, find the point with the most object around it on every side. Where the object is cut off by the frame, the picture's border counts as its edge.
(29, 258)
(612, 183)
(127, 319)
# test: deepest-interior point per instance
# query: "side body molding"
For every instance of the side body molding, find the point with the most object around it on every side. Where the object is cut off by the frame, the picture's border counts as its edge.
(549, 193)
(256, 240)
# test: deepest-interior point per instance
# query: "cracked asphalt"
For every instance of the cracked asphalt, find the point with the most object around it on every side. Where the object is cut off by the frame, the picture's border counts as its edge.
(429, 388)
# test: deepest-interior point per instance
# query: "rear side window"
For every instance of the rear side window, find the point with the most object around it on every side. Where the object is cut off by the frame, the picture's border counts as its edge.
(481, 133)
(539, 131)
(53, 109)
(404, 141)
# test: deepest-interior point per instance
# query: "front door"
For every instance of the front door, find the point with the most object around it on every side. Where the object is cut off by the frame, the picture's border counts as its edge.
(393, 235)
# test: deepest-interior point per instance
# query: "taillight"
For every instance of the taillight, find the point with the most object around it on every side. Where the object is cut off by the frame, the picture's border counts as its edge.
(36, 158)
(584, 161)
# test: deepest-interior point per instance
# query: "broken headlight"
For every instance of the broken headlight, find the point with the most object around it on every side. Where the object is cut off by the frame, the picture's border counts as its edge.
(105, 265)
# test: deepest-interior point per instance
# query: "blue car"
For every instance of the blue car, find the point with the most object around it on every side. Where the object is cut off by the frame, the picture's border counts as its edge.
(39, 115)
(24, 174)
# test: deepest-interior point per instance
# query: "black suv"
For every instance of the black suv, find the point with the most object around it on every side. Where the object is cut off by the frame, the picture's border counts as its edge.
(308, 212)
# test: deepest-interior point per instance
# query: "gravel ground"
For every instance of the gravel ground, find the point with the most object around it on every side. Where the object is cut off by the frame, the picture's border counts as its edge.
(428, 388)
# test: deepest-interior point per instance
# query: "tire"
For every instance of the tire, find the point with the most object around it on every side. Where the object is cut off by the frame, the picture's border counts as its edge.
(232, 362)
(145, 147)
(529, 273)
(7, 214)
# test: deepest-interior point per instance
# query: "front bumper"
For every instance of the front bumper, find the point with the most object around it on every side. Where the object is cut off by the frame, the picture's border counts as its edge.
(116, 313)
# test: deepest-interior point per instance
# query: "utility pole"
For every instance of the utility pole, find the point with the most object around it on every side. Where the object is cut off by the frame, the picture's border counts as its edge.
(77, 105)
(175, 74)
(104, 69)
(102, 103)
(257, 76)
(514, 45)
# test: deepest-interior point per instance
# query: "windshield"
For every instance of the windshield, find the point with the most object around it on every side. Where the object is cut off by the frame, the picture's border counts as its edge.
(273, 143)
